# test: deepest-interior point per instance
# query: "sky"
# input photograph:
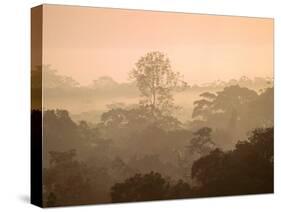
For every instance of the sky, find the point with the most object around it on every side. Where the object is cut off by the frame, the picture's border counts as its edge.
(87, 43)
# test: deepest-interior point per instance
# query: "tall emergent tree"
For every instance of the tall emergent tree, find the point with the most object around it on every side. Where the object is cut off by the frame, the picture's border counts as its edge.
(155, 79)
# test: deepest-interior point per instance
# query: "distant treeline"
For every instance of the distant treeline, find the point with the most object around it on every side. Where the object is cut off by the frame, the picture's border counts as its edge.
(163, 158)
(88, 102)
(146, 150)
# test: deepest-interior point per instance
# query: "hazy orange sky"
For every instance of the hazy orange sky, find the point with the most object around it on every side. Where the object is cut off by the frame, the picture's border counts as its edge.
(86, 43)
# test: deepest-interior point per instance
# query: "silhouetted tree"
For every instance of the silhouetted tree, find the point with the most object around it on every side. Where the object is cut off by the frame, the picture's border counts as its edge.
(225, 102)
(261, 110)
(248, 169)
(140, 187)
(131, 120)
(63, 134)
(235, 110)
(202, 142)
(180, 190)
(199, 145)
(66, 181)
(148, 187)
(156, 80)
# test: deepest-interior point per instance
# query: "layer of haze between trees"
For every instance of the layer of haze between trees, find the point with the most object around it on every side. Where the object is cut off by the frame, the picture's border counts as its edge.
(155, 137)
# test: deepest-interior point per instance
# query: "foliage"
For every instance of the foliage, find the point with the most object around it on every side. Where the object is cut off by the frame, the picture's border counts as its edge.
(201, 143)
(234, 102)
(140, 187)
(227, 101)
(63, 134)
(235, 110)
(66, 181)
(139, 152)
(148, 187)
(137, 119)
(156, 80)
(248, 169)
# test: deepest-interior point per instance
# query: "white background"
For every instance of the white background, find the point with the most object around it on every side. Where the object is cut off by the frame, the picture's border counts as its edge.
(15, 103)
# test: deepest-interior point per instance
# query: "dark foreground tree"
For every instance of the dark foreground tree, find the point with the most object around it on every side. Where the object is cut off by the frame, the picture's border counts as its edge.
(66, 181)
(248, 169)
(140, 187)
(180, 190)
(148, 187)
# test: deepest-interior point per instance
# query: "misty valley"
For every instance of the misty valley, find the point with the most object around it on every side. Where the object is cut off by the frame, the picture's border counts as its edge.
(154, 137)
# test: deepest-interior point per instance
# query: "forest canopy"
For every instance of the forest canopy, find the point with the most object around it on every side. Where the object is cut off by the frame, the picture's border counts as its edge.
(173, 141)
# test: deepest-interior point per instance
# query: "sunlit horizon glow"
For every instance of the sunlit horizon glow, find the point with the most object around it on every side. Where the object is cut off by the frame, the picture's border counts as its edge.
(87, 43)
